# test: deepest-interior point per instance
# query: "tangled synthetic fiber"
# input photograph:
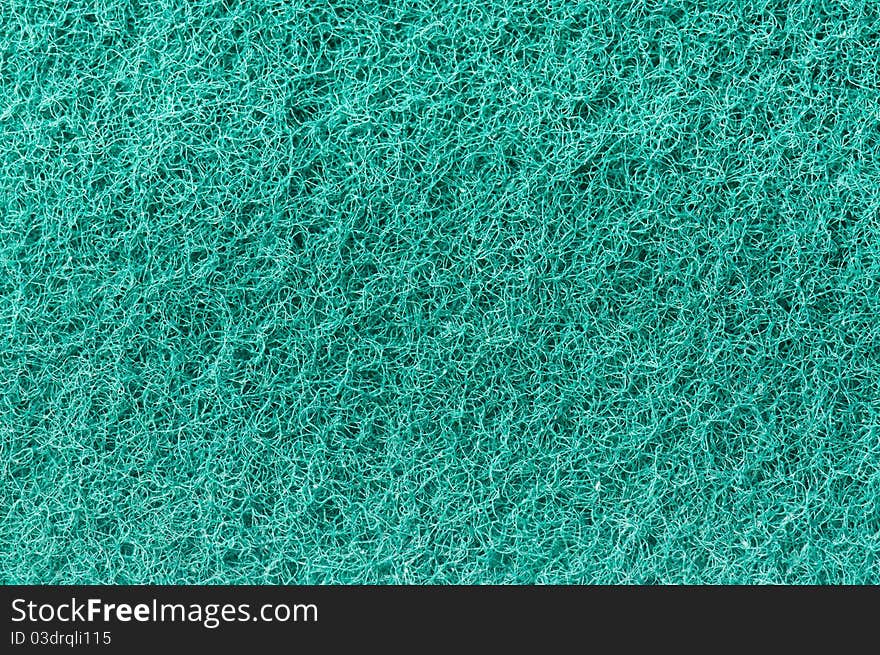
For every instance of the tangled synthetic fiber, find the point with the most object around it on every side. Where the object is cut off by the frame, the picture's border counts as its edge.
(447, 291)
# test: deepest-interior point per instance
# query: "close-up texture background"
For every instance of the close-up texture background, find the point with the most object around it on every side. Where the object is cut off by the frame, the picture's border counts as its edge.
(454, 291)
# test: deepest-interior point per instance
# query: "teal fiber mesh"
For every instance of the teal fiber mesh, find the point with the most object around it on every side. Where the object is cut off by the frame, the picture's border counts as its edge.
(439, 291)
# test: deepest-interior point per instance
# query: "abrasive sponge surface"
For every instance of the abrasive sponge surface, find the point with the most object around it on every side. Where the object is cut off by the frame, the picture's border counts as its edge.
(454, 291)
